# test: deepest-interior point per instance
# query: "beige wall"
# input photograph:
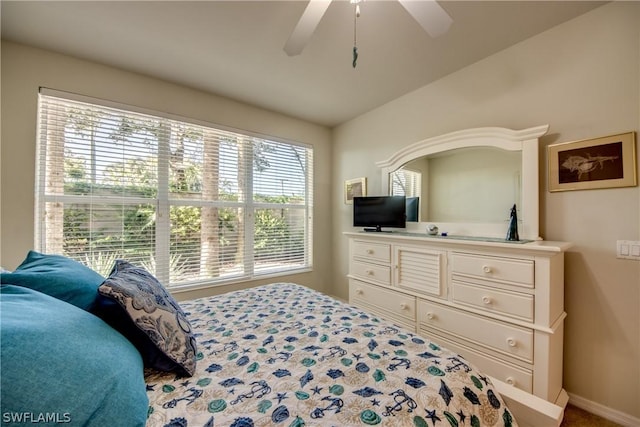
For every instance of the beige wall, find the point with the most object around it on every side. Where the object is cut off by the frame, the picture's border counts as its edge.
(25, 69)
(583, 79)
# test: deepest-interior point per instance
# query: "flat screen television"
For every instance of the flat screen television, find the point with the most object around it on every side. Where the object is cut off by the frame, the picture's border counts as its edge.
(373, 213)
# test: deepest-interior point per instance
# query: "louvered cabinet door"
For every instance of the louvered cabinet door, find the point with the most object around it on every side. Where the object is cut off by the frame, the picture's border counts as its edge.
(420, 270)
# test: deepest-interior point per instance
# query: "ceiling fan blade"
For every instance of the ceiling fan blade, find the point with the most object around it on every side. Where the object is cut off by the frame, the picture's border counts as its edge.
(429, 14)
(306, 26)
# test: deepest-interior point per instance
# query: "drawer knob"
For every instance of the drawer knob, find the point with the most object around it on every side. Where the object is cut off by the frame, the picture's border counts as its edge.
(511, 381)
(359, 291)
(369, 251)
(430, 316)
(486, 300)
(512, 342)
(369, 272)
(403, 306)
(487, 269)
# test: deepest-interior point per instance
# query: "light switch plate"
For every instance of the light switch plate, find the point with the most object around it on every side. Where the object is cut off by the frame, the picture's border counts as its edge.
(628, 249)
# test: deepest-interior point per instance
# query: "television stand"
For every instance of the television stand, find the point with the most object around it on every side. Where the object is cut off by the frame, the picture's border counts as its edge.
(377, 229)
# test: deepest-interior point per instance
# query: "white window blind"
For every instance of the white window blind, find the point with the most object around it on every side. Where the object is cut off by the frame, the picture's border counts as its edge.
(189, 202)
(405, 182)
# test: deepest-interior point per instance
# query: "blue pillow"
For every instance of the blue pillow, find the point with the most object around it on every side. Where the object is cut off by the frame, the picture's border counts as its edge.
(136, 304)
(58, 276)
(66, 364)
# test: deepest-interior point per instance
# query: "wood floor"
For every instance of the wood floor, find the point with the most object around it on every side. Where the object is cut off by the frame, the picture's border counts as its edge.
(576, 417)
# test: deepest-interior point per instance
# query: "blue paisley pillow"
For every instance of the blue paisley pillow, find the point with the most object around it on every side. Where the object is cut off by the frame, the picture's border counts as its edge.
(136, 304)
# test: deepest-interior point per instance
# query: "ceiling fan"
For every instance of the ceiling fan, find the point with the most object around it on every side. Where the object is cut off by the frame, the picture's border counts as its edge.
(429, 14)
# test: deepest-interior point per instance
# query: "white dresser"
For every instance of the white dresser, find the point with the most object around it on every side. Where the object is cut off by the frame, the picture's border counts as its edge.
(499, 304)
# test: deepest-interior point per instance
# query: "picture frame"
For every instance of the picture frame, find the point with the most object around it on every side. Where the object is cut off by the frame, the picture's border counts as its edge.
(354, 188)
(604, 162)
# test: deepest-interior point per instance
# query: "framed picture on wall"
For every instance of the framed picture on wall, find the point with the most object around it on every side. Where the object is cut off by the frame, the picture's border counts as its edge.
(605, 162)
(354, 188)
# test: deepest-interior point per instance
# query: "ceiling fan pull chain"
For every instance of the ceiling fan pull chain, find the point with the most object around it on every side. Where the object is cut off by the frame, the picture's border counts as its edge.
(356, 15)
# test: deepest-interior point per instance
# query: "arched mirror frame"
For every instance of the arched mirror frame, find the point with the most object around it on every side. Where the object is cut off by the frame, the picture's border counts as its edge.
(525, 141)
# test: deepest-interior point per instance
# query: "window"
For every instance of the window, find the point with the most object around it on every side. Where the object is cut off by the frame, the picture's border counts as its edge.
(405, 182)
(189, 202)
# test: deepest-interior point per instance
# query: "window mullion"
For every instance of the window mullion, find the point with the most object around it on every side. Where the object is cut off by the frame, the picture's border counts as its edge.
(246, 146)
(163, 217)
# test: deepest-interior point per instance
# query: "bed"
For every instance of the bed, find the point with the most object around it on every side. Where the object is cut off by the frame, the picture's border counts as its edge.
(285, 354)
(279, 354)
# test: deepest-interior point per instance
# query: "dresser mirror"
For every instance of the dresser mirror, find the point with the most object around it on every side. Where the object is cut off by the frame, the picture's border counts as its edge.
(466, 182)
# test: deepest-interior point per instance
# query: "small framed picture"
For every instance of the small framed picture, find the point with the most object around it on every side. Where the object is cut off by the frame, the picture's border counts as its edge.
(354, 188)
(606, 162)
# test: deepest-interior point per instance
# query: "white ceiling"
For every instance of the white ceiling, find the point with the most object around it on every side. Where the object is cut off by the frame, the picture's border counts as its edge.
(234, 48)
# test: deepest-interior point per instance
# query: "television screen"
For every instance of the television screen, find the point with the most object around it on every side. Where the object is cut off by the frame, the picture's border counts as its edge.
(413, 209)
(373, 213)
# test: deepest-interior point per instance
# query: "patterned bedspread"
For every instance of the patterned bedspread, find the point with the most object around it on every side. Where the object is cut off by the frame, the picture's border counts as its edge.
(286, 355)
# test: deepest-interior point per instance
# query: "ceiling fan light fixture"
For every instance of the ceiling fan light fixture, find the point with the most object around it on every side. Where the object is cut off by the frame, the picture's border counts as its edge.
(428, 13)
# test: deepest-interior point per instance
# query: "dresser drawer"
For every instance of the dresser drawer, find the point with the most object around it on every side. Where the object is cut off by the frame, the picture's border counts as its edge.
(371, 272)
(492, 300)
(376, 252)
(384, 302)
(504, 371)
(518, 272)
(507, 339)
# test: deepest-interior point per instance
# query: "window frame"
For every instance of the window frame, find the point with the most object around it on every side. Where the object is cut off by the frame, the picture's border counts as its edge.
(163, 201)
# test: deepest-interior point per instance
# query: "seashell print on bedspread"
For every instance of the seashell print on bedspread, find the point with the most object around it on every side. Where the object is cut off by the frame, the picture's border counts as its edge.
(286, 355)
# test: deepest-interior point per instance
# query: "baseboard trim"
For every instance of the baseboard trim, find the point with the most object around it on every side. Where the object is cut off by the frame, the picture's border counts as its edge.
(604, 411)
